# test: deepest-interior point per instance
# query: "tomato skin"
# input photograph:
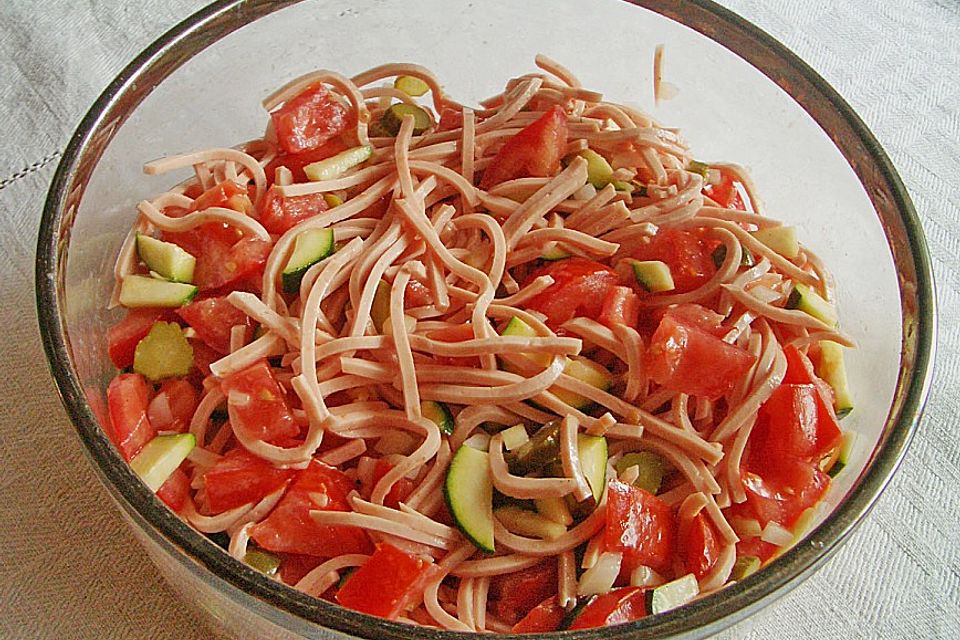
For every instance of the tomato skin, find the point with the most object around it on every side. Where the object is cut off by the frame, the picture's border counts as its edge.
(128, 397)
(257, 406)
(213, 319)
(797, 486)
(792, 423)
(239, 478)
(387, 584)
(620, 306)
(180, 398)
(280, 213)
(641, 526)
(800, 371)
(546, 616)
(699, 546)
(685, 359)
(726, 193)
(516, 594)
(309, 119)
(175, 490)
(687, 253)
(578, 290)
(533, 152)
(615, 607)
(123, 337)
(228, 195)
(289, 527)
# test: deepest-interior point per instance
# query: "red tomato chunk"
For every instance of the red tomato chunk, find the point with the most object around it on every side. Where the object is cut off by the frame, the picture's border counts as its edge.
(213, 319)
(546, 616)
(257, 406)
(309, 119)
(578, 290)
(388, 584)
(240, 478)
(699, 546)
(615, 607)
(534, 152)
(128, 398)
(173, 406)
(175, 490)
(280, 213)
(687, 254)
(515, 594)
(122, 338)
(641, 526)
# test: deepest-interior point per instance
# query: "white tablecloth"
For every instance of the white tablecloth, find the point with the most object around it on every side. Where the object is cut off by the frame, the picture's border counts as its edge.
(70, 568)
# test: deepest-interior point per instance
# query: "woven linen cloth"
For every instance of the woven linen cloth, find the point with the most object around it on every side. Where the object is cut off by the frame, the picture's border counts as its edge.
(71, 569)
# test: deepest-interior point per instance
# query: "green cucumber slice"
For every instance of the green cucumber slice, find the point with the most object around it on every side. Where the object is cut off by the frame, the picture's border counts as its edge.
(652, 275)
(160, 457)
(411, 85)
(649, 465)
(599, 171)
(142, 291)
(337, 165)
(392, 118)
(832, 369)
(163, 353)
(166, 258)
(309, 248)
(719, 254)
(592, 451)
(809, 301)
(673, 594)
(585, 370)
(468, 492)
(529, 523)
(263, 561)
(439, 414)
(744, 567)
(782, 239)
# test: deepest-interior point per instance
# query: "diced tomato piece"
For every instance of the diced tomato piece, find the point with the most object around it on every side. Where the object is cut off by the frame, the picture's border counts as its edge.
(515, 594)
(797, 486)
(615, 607)
(695, 315)
(578, 290)
(239, 478)
(450, 118)
(289, 527)
(173, 406)
(203, 356)
(534, 152)
(546, 616)
(295, 162)
(699, 546)
(213, 319)
(800, 371)
(294, 566)
(620, 306)
(309, 119)
(128, 397)
(257, 406)
(400, 489)
(387, 584)
(228, 195)
(280, 213)
(224, 256)
(757, 548)
(687, 253)
(688, 360)
(175, 490)
(792, 423)
(123, 337)
(726, 193)
(641, 526)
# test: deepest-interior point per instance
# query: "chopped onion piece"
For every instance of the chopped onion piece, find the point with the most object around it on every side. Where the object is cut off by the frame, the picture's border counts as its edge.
(600, 577)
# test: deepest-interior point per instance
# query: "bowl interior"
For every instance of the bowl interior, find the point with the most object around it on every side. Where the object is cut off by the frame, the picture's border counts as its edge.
(726, 108)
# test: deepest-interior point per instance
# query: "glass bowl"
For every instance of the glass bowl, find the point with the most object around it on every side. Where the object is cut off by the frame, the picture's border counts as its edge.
(742, 97)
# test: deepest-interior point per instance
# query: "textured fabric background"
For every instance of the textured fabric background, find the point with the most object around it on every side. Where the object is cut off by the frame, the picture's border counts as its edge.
(69, 567)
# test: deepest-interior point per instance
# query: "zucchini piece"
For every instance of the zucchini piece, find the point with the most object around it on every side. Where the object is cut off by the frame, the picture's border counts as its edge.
(652, 275)
(834, 372)
(309, 248)
(392, 118)
(468, 492)
(592, 451)
(719, 254)
(160, 457)
(515, 437)
(554, 253)
(144, 291)
(620, 185)
(649, 465)
(587, 371)
(809, 301)
(380, 310)
(843, 458)
(599, 171)
(554, 509)
(782, 239)
(696, 166)
(411, 85)
(528, 523)
(439, 414)
(334, 166)
(163, 353)
(166, 259)
(263, 561)
(745, 567)
(673, 594)
(517, 327)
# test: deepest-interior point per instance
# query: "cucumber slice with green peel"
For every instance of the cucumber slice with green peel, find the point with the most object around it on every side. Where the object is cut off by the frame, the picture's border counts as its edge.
(747, 259)
(529, 523)
(833, 371)
(468, 492)
(263, 561)
(587, 371)
(650, 468)
(805, 299)
(673, 594)
(309, 248)
(144, 291)
(782, 239)
(166, 259)
(339, 164)
(392, 118)
(161, 456)
(411, 85)
(380, 309)
(652, 275)
(745, 567)
(843, 457)
(517, 327)
(163, 353)
(599, 171)
(592, 451)
(439, 414)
